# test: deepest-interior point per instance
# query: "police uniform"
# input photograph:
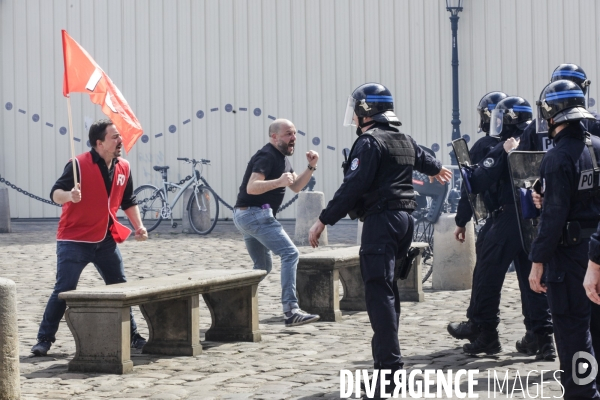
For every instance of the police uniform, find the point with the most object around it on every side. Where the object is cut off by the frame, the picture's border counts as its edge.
(502, 245)
(464, 212)
(477, 153)
(570, 213)
(378, 187)
(565, 265)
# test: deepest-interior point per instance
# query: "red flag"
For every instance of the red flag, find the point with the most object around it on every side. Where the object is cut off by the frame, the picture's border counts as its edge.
(83, 75)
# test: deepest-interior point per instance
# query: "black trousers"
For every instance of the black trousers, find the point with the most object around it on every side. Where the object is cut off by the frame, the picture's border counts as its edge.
(576, 318)
(478, 244)
(386, 237)
(500, 246)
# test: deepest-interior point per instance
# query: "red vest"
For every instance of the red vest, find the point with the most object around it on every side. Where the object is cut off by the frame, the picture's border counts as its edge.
(87, 221)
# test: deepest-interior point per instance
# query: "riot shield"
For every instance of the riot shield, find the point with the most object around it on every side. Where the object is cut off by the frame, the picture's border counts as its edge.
(524, 167)
(461, 150)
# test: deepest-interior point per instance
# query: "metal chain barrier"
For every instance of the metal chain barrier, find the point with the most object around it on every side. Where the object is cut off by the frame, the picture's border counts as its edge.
(181, 182)
(218, 197)
(157, 193)
(184, 180)
(309, 186)
(26, 193)
(289, 203)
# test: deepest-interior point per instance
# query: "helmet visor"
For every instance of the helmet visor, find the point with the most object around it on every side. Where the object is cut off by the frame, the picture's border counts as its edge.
(590, 102)
(496, 122)
(349, 116)
(541, 125)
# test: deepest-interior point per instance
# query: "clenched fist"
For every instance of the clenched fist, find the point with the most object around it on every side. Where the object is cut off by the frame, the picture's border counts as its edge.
(510, 144)
(312, 157)
(537, 200)
(76, 194)
(286, 179)
(141, 234)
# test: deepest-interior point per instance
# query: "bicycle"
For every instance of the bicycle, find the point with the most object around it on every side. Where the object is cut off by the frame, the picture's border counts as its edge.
(431, 203)
(423, 232)
(202, 207)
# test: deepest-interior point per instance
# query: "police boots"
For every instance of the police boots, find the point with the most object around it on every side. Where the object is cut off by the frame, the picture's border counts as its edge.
(487, 342)
(528, 344)
(464, 330)
(546, 350)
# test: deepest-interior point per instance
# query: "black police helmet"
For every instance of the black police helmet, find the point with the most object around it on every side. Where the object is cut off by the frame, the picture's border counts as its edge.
(573, 73)
(375, 100)
(517, 110)
(562, 101)
(485, 107)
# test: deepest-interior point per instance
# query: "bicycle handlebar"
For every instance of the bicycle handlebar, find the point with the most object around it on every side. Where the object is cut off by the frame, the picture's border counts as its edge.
(193, 161)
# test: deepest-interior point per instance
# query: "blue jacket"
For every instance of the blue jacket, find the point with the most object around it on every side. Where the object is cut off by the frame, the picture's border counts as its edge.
(477, 154)
(560, 175)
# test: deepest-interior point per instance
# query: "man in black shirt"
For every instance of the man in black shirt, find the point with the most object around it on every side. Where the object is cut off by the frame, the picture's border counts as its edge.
(268, 173)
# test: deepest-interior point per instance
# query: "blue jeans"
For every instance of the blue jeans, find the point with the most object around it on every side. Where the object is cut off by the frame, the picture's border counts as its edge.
(72, 258)
(263, 234)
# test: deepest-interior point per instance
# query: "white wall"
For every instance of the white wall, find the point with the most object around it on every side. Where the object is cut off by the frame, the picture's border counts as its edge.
(295, 59)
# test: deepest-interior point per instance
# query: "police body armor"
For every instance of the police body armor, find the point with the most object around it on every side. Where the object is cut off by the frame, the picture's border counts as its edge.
(392, 188)
(524, 167)
(461, 150)
(588, 188)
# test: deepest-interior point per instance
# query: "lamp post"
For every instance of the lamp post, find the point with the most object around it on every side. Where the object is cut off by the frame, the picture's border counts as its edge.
(454, 7)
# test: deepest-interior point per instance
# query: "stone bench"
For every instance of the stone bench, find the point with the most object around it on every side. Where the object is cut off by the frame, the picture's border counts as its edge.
(319, 273)
(99, 316)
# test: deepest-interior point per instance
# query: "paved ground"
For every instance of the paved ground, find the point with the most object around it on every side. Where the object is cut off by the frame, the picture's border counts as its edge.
(302, 362)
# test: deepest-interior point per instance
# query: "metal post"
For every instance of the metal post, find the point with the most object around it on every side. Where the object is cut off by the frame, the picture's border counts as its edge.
(455, 106)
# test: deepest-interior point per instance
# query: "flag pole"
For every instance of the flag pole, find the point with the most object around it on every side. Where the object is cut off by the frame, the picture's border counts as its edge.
(72, 141)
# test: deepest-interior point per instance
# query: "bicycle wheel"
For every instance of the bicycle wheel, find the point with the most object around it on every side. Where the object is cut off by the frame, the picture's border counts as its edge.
(151, 201)
(203, 210)
(423, 232)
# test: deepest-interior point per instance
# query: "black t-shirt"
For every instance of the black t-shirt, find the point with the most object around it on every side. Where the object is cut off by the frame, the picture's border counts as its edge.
(272, 164)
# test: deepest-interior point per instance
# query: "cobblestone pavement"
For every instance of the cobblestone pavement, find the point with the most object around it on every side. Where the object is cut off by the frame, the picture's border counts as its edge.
(301, 362)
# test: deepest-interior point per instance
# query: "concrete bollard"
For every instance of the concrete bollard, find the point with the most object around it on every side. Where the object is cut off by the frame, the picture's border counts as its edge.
(310, 205)
(10, 384)
(453, 262)
(203, 219)
(4, 211)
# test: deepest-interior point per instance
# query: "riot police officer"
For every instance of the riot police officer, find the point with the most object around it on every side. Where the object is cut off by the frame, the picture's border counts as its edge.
(535, 137)
(378, 189)
(501, 245)
(464, 212)
(570, 213)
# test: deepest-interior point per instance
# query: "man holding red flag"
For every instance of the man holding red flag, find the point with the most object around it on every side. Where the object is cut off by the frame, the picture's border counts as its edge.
(88, 230)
